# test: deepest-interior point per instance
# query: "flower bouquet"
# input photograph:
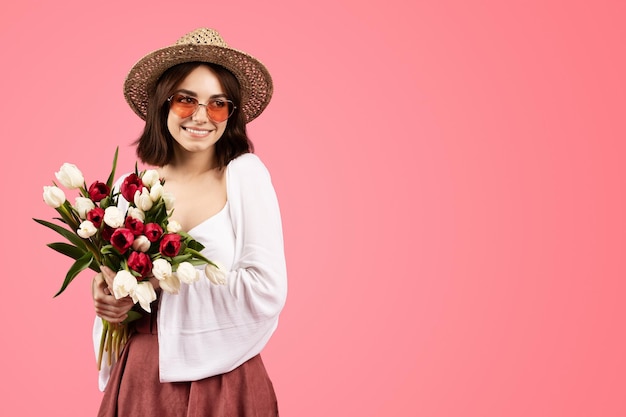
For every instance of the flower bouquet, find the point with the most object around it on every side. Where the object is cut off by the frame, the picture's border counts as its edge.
(137, 242)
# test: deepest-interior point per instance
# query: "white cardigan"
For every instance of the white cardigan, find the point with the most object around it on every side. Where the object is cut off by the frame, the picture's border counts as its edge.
(207, 329)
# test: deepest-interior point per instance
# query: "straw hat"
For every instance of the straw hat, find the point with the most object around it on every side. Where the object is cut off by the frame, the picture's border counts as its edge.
(202, 45)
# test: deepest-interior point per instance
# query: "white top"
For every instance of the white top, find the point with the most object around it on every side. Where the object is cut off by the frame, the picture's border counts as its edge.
(208, 329)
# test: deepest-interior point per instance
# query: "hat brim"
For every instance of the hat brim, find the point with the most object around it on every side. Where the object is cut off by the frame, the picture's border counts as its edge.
(254, 79)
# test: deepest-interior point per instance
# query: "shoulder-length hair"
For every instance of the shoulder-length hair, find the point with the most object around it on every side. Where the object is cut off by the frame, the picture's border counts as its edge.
(155, 146)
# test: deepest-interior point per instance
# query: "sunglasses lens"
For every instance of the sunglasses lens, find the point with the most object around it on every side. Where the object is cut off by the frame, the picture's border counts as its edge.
(183, 106)
(219, 110)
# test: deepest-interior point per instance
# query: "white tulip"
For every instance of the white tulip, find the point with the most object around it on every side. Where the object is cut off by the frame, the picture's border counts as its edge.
(70, 176)
(144, 294)
(187, 273)
(113, 217)
(150, 178)
(86, 229)
(173, 226)
(156, 192)
(53, 196)
(83, 206)
(169, 200)
(141, 244)
(216, 275)
(142, 199)
(136, 213)
(170, 284)
(161, 269)
(124, 284)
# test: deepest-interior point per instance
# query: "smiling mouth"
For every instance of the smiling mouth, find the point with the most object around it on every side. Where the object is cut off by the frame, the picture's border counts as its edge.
(197, 131)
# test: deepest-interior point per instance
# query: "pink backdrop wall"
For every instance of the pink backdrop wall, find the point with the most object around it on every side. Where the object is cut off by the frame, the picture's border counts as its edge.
(451, 176)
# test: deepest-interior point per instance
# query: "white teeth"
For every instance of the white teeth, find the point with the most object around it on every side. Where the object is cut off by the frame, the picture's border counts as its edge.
(197, 132)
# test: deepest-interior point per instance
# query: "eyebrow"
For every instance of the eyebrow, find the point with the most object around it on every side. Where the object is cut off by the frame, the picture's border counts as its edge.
(193, 94)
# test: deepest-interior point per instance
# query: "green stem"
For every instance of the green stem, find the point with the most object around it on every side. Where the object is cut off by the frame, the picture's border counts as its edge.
(105, 329)
(108, 343)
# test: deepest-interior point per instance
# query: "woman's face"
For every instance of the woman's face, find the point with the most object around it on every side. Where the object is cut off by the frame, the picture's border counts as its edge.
(197, 133)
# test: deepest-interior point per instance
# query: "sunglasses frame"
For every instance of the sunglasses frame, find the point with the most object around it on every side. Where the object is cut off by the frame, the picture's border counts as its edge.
(206, 106)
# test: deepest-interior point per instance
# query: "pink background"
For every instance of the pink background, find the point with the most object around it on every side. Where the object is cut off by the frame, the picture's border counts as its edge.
(451, 176)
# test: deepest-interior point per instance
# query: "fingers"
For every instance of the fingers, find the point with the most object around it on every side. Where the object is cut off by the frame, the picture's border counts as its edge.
(108, 275)
(112, 314)
(111, 309)
(105, 303)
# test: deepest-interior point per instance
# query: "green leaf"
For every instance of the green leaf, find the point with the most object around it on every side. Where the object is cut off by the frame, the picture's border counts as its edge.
(106, 202)
(73, 252)
(61, 219)
(191, 242)
(200, 262)
(157, 214)
(195, 245)
(185, 235)
(132, 316)
(112, 262)
(109, 249)
(69, 214)
(80, 265)
(112, 175)
(69, 235)
(181, 258)
(67, 249)
(198, 255)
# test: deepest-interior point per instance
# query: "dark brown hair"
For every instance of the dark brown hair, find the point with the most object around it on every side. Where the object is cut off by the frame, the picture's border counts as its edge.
(155, 146)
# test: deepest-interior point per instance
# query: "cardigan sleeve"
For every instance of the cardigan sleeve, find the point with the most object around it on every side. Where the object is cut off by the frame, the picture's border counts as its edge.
(259, 272)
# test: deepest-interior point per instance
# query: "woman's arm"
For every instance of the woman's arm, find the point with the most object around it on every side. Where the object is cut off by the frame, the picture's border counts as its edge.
(259, 276)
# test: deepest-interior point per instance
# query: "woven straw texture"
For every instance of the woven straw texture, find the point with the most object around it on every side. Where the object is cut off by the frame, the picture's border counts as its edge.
(201, 45)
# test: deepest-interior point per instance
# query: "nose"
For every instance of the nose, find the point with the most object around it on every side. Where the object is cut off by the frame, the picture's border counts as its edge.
(201, 114)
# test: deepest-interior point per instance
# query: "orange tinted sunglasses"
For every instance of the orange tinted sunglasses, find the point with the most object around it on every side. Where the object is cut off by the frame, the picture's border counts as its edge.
(218, 109)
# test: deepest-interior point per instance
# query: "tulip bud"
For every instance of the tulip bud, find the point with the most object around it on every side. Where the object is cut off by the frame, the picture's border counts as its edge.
(144, 294)
(161, 269)
(169, 199)
(150, 178)
(82, 206)
(187, 273)
(156, 192)
(123, 284)
(136, 213)
(215, 274)
(142, 199)
(141, 244)
(86, 229)
(173, 226)
(70, 176)
(171, 284)
(53, 196)
(113, 217)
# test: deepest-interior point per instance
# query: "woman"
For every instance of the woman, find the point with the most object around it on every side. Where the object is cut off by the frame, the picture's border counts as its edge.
(198, 355)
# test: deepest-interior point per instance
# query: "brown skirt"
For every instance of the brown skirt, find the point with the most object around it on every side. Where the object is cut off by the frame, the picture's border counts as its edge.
(134, 388)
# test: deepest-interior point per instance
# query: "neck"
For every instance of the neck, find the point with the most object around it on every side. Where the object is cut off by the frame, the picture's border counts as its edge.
(189, 164)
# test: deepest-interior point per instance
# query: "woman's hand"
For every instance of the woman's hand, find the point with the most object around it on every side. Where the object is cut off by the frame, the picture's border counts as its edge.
(106, 305)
